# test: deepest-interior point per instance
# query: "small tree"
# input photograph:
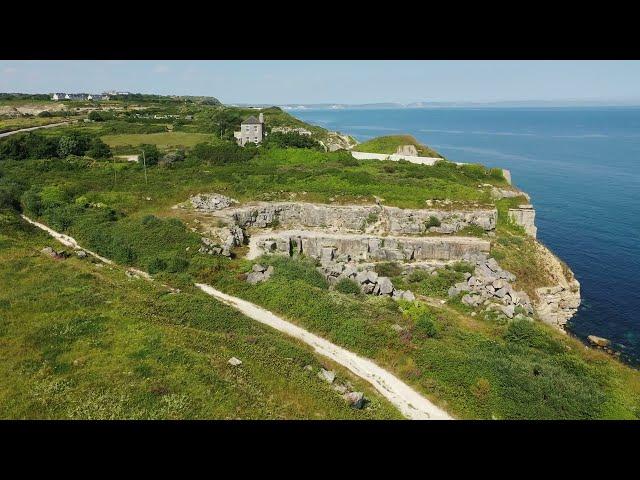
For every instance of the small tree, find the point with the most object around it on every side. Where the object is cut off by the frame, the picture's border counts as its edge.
(151, 154)
(99, 149)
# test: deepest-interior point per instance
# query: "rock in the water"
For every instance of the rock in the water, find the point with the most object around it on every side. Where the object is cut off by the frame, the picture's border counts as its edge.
(598, 341)
(355, 399)
(234, 361)
(327, 375)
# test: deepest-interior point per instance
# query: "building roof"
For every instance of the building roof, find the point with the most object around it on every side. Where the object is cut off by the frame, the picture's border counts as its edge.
(251, 120)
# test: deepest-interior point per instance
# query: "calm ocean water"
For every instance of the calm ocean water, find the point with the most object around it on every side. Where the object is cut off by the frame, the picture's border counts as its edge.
(582, 169)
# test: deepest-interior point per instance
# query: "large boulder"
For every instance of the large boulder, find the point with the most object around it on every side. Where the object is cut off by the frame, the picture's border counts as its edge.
(385, 286)
(355, 399)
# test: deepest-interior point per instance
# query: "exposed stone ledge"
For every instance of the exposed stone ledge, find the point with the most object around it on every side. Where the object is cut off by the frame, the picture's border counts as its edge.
(376, 219)
(525, 216)
(327, 246)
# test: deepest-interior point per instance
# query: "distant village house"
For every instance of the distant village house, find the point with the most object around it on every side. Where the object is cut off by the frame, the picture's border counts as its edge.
(251, 130)
(78, 96)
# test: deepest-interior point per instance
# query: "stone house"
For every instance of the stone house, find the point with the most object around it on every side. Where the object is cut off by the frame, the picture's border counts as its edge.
(252, 130)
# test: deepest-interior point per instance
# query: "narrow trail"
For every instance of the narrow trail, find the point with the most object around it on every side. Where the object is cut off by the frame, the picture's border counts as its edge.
(409, 402)
(13, 132)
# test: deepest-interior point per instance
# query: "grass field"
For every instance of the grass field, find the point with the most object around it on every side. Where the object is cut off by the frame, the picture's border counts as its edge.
(390, 143)
(81, 341)
(11, 124)
(163, 140)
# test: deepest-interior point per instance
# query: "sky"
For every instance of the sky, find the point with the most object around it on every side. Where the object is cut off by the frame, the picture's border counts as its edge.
(340, 81)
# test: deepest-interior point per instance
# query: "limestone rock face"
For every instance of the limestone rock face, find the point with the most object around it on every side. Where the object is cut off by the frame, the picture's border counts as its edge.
(326, 246)
(525, 216)
(351, 218)
(598, 341)
(211, 202)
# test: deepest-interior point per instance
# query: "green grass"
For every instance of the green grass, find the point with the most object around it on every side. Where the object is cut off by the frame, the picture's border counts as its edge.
(82, 342)
(163, 140)
(390, 143)
(472, 367)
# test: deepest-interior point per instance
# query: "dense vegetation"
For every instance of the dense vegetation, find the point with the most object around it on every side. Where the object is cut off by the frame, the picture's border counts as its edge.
(82, 342)
(173, 348)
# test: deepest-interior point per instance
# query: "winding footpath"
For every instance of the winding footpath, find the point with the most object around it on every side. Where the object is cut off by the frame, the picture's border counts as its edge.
(13, 132)
(409, 402)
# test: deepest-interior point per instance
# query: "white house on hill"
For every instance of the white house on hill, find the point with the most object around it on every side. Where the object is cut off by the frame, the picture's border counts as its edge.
(251, 130)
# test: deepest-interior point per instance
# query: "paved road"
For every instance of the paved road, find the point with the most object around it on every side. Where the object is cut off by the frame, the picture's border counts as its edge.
(13, 132)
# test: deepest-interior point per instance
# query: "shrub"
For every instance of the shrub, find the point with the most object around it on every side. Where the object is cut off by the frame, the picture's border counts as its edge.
(156, 265)
(10, 197)
(221, 154)
(99, 149)
(432, 222)
(73, 144)
(347, 286)
(31, 201)
(425, 325)
(291, 140)
(388, 269)
(177, 264)
(150, 153)
(44, 114)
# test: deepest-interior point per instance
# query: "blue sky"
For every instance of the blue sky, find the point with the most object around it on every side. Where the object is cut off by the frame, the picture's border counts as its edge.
(341, 81)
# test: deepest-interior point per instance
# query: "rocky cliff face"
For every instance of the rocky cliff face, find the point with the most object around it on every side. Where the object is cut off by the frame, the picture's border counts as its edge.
(557, 303)
(327, 247)
(354, 218)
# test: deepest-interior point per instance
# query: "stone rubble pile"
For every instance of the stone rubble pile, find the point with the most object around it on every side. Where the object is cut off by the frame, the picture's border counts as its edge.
(259, 273)
(369, 281)
(490, 286)
(233, 236)
(213, 201)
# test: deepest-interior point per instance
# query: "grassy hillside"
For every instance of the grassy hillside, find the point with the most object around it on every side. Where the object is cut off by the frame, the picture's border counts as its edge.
(390, 143)
(162, 140)
(143, 350)
(80, 340)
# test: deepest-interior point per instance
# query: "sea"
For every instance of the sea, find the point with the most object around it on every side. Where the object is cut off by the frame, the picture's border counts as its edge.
(581, 166)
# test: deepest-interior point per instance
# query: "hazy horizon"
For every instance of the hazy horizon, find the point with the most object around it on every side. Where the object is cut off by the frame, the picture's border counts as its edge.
(337, 82)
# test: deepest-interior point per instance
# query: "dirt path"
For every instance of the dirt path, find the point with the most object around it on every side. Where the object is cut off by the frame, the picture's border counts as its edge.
(409, 402)
(13, 132)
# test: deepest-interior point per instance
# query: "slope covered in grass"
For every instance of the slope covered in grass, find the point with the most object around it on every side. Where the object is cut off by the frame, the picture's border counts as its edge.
(85, 342)
(389, 144)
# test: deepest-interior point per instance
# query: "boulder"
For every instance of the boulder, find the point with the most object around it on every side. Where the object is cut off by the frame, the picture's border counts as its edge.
(355, 399)
(49, 251)
(598, 341)
(81, 254)
(500, 293)
(258, 268)
(362, 277)
(327, 375)
(234, 361)
(508, 310)
(385, 286)
(408, 295)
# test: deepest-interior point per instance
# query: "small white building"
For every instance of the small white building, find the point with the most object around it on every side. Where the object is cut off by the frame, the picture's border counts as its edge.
(251, 130)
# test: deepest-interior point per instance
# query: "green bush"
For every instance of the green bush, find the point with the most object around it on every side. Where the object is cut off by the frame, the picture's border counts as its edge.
(348, 286)
(388, 269)
(291, 140)
(156, 265)
(150, 154)
(220, 154)
(432, 222)
(99, 149)
(425, 325)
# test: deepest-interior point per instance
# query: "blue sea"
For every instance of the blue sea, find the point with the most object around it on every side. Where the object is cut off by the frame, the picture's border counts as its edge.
(582, 169)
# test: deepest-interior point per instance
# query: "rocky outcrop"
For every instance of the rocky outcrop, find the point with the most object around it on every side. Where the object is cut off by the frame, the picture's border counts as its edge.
(327, 247)
(407, 150)
(490, 285)
(353, 218)
(259, 273)
(366, 278)
(524, 216)
(211, 202)
(557, 303)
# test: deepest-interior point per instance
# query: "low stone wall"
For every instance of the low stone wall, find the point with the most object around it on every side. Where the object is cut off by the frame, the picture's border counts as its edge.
(359, 218)
(328, 247)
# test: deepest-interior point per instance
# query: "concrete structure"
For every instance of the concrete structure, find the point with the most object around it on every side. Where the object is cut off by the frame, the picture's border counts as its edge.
(78, 96)
(251, 130)
(524, 216)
